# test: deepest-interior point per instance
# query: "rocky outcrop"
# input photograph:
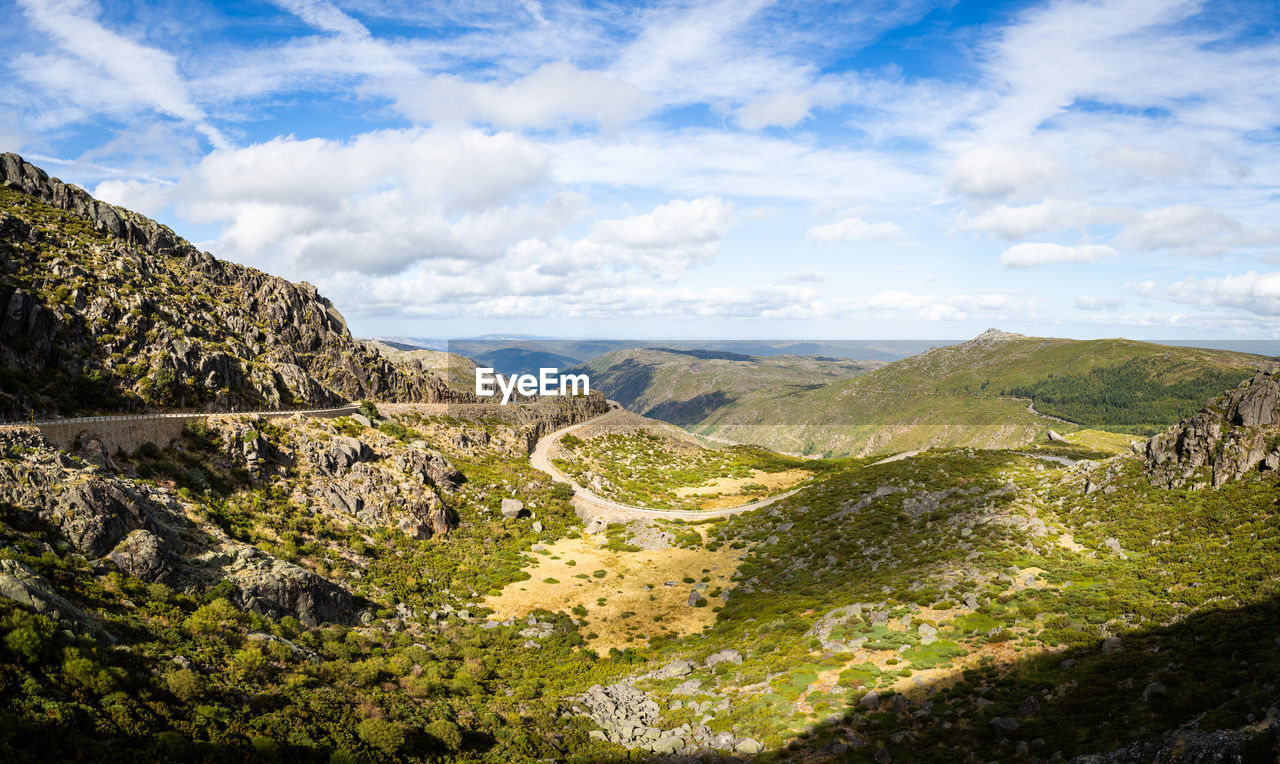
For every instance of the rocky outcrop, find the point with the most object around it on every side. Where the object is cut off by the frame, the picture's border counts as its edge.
(275, 588)
(629, 717)
(429, 466)
(28, 588)
(124, 314)
(340, 454)
(1255, 742)
(145, 556)
(1236, 433)
(143, 530)
(91, 512)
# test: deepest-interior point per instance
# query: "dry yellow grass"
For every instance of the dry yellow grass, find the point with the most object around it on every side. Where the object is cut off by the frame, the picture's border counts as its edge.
(656, 611)
(732, 486)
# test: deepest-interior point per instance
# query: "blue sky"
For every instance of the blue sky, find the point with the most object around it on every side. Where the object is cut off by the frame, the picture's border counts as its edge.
(718, 169)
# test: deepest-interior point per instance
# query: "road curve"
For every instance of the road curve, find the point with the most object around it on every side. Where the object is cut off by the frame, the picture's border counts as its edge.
(589, 504)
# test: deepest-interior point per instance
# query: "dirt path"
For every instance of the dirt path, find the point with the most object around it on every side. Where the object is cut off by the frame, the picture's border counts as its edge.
(590, 506)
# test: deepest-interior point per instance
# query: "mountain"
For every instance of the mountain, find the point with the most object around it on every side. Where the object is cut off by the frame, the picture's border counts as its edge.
(458, 372)
(997, 390)
(684, 387)
(106, 310)
(516, 360)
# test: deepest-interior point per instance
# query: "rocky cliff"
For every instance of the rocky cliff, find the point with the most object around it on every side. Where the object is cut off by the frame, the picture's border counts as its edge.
(1236, 433)
(102, 309)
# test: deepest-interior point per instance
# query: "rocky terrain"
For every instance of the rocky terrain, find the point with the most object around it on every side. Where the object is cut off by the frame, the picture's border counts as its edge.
(1236, 433)
(106, 310)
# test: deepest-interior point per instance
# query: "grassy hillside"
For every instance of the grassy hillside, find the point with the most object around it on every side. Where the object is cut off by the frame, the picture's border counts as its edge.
(997, 390)
(684, 387)
(648, 467)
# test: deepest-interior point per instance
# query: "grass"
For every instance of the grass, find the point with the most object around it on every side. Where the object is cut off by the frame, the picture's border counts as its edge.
(652, 470)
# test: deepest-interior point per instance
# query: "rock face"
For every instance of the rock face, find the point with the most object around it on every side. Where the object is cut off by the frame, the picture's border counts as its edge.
(143, 530)
(429, 466)
(124, 314)
(1236, 433)
(144, 556)
(93, 513)
(26, 587)
(275, 588)
(628, 716)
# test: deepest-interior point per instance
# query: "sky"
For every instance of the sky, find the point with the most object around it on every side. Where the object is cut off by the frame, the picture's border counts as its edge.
(740, 169)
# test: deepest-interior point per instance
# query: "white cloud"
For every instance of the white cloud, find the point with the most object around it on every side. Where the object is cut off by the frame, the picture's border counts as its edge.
(1016, 223)
(553, 94)
(697, 162)
(149, 198)
(1030, 254)
(806, 276)
(1086, 302)
(680, 224)
(1254, 292)
(1146, 162)
(378, 202)
(786, 109)
(99, 70)
(1192, 230)
(853, 229)
(672, 238)
(1004, 170)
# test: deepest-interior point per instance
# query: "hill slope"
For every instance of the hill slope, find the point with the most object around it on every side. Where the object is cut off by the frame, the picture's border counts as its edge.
(684, 387)
(996, 390)
(104, 309)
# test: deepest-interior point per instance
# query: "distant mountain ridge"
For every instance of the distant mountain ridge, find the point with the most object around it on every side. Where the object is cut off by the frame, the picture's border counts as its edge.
(998, 389)
(107, 310)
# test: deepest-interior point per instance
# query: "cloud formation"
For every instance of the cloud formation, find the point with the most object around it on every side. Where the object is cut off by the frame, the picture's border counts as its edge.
(1029, 254)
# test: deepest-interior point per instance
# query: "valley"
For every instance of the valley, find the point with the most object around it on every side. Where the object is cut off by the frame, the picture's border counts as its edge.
(409, 574)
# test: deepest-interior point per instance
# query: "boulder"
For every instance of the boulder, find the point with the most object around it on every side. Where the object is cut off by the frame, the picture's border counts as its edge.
(143, 555)
(724, 656)
(674, 669)
(1004, 726)
(275, 588)
(696, 599)
(429, 467)
(342, 453)
(512, 508)
(96, 515)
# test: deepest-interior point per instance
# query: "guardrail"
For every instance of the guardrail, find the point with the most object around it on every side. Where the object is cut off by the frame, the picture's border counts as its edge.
(173, 415)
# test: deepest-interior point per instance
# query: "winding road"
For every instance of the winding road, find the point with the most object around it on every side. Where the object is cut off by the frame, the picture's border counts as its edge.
(591, 506)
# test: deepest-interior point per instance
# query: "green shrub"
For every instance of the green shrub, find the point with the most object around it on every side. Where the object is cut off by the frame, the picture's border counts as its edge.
(386, 736)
